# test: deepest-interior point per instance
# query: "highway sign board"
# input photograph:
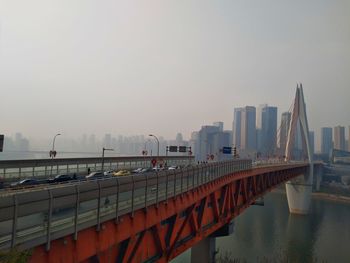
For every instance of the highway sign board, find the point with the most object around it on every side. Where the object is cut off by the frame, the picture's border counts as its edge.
(1, 142)
(227, 150)
(172, 148)
(182, 149)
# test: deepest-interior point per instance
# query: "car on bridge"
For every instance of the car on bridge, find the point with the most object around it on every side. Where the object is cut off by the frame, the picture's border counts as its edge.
(109, 172)
(96, 175)
(122, 173)
(137, 171)
(25, 182)
(146, 170)
(63, 178)
(174, 167)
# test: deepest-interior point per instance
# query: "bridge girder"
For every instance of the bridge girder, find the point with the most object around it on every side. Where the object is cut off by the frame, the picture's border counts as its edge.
(161, 232)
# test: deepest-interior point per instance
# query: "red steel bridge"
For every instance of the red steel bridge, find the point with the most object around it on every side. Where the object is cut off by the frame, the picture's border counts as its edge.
(149, 217)
(143, 218)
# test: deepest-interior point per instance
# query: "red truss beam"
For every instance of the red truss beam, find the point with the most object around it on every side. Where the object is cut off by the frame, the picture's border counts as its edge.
(161, 233)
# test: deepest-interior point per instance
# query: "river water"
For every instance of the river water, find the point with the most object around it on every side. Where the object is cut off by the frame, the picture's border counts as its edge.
(270, 231)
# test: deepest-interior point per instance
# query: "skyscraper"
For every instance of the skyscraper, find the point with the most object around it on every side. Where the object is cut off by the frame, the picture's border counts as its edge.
(285, 122)
(107, 141)
(221, 139)
(312, 141)
(339, 138)
(259, 125)
(219, 124)
(268, 130)
(237, 119)
(349, 140)
(248, 128)
(205, 142)
(326, 140)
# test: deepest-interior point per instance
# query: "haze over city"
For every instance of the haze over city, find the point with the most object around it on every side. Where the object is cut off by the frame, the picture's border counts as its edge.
(160, 67)
(174, 131)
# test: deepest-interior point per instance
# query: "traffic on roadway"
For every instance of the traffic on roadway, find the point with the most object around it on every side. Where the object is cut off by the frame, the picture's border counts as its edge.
(71, 178)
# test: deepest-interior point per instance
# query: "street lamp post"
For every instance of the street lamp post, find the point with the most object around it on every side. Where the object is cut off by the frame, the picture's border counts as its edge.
(52, 152)
(103, 156)
(151, 135)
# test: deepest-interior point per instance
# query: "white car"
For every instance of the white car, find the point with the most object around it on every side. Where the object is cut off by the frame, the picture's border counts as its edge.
(109, 172)
(95, 175)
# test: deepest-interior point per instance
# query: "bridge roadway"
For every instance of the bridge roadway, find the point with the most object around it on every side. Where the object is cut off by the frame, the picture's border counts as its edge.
(13, 170)
(39, 218)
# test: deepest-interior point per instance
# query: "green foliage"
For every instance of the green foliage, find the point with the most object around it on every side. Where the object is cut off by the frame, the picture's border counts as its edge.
(15, 256)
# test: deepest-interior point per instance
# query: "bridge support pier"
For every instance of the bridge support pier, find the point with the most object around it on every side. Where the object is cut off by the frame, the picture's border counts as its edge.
(299, 195)
(319, 175)
(204, 251)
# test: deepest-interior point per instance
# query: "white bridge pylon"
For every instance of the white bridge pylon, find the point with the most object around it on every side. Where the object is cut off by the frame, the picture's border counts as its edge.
(299, 189)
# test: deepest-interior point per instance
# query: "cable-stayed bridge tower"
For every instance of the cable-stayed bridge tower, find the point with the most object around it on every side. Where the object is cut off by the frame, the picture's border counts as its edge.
(299, 189)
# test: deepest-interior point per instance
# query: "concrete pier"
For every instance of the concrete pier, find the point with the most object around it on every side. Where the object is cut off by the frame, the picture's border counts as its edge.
(299, 193)
(204, 251)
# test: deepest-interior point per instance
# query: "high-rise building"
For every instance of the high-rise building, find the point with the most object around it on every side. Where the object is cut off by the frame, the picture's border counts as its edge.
(248, 128)
(268, 130)
(339, 138)
(244, 128)
(205, 142)
(326, 140)
(285, 122)
(237, 119)
(312, 141)
(107, 141)
(258, 126)
(221, 139)
(349, 140)
(219, 124)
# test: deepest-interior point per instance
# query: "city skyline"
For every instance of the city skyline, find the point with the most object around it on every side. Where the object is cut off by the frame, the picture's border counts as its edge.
(322, 144)
(118, 68)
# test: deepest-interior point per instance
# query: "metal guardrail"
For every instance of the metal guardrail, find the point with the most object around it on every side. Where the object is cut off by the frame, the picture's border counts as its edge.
(29, 219)
(43, 168)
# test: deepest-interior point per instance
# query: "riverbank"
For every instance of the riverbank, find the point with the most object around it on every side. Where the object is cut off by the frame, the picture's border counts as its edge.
(323, 196)
(332, 197)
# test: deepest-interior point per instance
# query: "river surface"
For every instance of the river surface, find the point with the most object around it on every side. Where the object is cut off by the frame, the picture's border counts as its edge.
(270, 231)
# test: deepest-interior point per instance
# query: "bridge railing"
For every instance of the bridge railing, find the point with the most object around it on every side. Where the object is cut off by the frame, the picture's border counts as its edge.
(43, 168)
(36, 217)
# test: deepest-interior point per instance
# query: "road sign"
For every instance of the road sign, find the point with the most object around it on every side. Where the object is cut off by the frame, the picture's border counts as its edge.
(182, 149)
(226, 150)
(144, 152)
(154, 162)
(1, 142)
(173, 149)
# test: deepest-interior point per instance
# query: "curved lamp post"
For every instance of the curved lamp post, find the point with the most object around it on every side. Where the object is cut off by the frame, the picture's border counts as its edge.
(52, 152)
(53, 145)
(152, 135)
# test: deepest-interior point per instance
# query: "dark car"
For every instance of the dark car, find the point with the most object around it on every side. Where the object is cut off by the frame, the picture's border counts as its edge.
(62, 178)
(25, 182)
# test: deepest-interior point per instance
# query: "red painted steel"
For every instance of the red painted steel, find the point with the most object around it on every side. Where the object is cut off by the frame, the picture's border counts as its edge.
(164, 231)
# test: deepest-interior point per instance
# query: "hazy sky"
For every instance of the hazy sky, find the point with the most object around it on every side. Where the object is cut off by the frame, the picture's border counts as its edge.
(135, 67)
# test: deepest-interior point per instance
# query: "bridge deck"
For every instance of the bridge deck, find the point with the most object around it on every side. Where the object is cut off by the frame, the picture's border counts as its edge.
(44, 216)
